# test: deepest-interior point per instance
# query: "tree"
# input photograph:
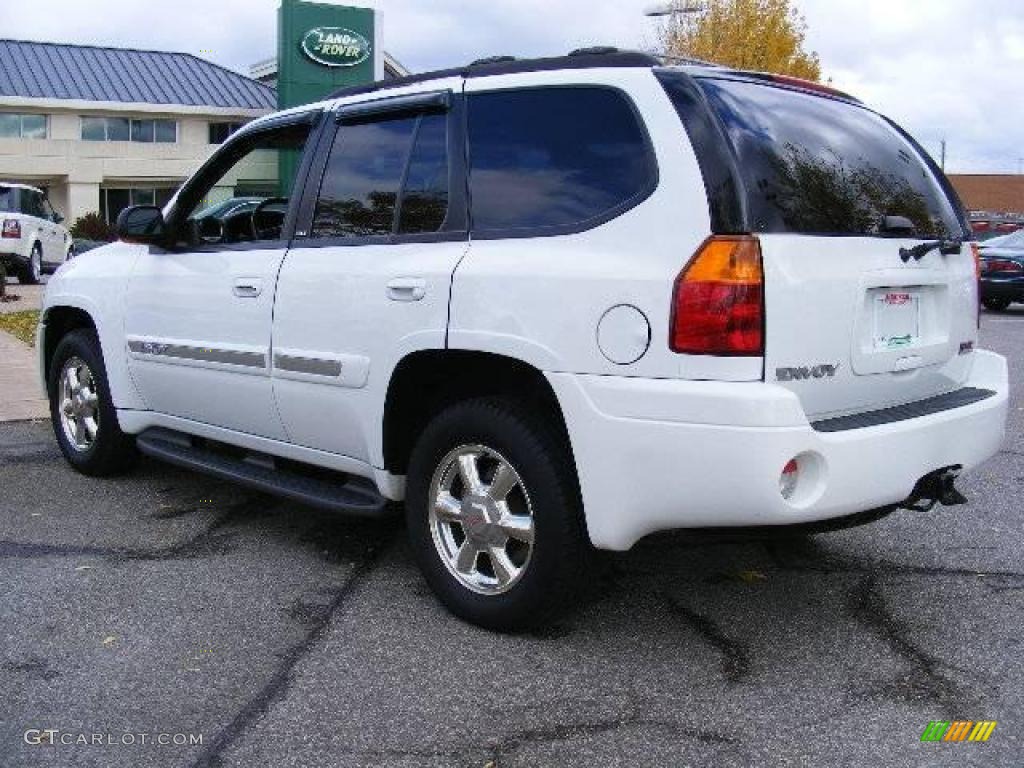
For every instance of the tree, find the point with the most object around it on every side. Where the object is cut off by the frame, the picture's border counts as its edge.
(762, 35)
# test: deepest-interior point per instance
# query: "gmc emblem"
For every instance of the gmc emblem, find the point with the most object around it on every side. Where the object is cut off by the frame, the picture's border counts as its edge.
(803, 373)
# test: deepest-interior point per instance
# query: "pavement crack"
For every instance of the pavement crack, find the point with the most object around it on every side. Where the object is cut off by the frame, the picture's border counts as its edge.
(925, 680)
(208, 542)
(506, 745)
(735, 655)
(276, 687)
(33, 667)
(807, 558)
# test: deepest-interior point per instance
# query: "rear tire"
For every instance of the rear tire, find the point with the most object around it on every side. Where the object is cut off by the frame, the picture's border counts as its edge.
(83, 414)
(514, 554)
(996, 305)
(32, 272)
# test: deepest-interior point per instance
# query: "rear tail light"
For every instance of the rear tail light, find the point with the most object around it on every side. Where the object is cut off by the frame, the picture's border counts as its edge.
(718, 301)
(12, 228)
(1001, 265)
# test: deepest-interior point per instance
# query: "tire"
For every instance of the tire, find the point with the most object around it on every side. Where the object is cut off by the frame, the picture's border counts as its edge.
(532, 582)
(99, 448)
(996, 304)
(32, 272)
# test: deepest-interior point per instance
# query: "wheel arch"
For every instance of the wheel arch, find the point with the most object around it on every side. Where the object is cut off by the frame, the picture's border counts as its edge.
(427, 381)
(56, 323)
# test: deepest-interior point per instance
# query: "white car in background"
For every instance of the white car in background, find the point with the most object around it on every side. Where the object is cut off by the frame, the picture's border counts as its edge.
(33, 240)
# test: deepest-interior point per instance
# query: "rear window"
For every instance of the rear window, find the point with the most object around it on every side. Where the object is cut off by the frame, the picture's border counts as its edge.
(6, 199)
(554, 159)
(815, 165)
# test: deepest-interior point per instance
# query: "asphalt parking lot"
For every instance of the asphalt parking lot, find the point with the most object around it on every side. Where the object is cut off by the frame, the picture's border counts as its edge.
(169, 604)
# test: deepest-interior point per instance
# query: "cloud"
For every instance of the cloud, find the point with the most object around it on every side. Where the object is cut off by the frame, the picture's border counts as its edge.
(943, 69)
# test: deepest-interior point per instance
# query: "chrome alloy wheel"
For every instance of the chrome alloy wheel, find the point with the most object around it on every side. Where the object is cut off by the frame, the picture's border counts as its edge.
(79, 404)
(481, 520)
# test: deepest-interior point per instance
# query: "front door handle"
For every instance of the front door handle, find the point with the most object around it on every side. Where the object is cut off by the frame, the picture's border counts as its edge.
(248, 287)
(407, 289)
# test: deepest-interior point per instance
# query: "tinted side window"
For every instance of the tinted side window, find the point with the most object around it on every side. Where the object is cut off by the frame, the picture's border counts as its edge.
(425, 194)
(360, 186)
(555, 158)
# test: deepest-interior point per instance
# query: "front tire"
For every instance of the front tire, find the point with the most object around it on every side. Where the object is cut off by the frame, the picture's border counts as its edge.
(83, 414)
(494, 515)
(996, 304)
(32, 272)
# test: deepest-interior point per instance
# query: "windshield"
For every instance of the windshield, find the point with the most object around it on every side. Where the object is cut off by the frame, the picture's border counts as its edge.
(1012, 240)
(815, 165)
(6, 199)
(219, 210)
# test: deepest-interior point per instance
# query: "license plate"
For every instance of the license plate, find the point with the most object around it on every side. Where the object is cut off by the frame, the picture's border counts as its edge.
(897, 319)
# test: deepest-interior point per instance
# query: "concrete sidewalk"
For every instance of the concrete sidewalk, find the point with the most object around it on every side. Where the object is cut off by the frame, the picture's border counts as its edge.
(20, 395)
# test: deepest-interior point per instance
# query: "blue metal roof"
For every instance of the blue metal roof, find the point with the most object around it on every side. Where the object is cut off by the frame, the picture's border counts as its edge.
(91, 73)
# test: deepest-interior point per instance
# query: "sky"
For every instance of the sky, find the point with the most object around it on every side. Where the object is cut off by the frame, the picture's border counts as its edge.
(944, 69)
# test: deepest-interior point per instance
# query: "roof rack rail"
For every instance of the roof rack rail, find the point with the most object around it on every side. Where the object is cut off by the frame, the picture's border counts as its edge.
(688, 60)
(584, 58)
(492, 60)
(595, 50)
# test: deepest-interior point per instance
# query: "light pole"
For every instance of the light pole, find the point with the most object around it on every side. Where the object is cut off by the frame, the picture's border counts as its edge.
(672, 9)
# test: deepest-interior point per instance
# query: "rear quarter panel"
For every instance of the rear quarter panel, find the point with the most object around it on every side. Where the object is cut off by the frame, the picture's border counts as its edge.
(540, 299)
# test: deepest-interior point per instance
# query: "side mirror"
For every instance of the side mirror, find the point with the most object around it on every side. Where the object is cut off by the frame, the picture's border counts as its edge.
(57, 218)
(141, 224)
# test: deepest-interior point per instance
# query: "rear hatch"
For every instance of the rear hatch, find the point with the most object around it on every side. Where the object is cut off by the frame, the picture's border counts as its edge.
(833, 192)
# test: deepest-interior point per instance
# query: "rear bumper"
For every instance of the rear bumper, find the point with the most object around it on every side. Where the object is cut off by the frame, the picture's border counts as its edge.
(1012, 289)
(659, 454)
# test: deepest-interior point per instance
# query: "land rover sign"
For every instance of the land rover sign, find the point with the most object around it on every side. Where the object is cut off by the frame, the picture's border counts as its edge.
(335, 47)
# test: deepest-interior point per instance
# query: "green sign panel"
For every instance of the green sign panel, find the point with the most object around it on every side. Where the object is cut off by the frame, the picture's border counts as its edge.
(323, 47)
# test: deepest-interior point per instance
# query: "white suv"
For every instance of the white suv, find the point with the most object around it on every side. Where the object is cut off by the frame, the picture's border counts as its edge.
(33, 240)
(553, 305)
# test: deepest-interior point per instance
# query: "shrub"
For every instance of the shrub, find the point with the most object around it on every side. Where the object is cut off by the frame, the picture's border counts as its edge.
(92, 227)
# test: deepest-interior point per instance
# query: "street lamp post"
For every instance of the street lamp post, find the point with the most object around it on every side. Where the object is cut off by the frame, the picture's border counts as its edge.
(672, 9)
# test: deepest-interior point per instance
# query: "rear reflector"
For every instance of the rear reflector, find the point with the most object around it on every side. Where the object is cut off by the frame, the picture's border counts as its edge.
(12, 228)
(976, 252)
(718, 301)
(788, 479)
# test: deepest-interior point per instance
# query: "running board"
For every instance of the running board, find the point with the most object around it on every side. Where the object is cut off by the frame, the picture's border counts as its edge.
(351, 495)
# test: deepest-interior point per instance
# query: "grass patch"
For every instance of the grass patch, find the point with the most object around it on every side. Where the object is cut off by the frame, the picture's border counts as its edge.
(21, 325)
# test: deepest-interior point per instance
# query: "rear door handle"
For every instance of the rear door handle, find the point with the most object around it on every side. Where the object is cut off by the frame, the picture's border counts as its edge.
(407, 289)
(248, 287)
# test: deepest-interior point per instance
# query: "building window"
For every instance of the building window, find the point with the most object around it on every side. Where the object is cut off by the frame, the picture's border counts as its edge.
(219, 132)
(13, 126)
(142, 131)
(113, 201)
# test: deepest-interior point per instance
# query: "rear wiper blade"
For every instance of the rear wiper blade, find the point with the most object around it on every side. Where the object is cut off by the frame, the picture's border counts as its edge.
(918, 252)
